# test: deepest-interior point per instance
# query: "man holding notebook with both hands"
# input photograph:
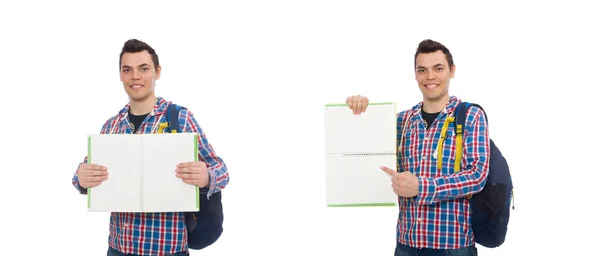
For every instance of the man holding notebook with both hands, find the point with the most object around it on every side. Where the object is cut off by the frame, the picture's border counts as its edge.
(161, 233)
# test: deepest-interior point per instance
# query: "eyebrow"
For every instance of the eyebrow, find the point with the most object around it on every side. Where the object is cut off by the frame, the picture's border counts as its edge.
(436, 65)
(143, 65)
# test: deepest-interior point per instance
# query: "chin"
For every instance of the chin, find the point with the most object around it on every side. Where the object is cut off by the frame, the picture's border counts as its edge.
(138, 97)
(429, 94)
(434, 97)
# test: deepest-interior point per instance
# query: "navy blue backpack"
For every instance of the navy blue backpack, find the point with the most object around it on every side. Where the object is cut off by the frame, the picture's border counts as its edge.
(490, 207)
(205, 226)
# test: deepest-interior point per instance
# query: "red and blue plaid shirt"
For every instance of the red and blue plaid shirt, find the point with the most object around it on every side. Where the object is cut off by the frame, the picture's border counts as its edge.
(439, 216)
(158, 233)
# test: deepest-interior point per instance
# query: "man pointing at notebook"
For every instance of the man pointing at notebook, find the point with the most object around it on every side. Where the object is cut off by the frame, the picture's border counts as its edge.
(162, 233)
(434, 216)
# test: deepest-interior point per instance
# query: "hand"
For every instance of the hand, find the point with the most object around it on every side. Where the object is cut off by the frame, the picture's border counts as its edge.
(358, 104)
(405, 184)
(193, 173)
(91, 175)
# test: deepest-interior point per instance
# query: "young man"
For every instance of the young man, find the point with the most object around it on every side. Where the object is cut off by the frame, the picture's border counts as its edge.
(434, 216)
(151, 233)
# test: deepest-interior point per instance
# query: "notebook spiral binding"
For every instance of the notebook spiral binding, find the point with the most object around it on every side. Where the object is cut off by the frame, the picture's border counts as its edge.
(361, 154)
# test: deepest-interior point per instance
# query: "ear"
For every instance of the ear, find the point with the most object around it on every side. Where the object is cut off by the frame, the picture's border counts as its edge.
(158, 69)
(452, 70)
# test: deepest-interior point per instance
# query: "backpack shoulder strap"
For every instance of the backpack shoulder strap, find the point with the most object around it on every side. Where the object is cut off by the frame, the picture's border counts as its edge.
(460, 113)
(173, 118)
(460, 118)
(461, 110)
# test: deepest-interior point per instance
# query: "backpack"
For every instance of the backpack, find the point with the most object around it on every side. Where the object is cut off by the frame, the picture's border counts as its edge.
(205, 226)
(490, 207)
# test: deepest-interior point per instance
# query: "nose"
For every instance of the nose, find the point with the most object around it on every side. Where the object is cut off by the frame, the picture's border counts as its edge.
(136, 75)
(430, 76)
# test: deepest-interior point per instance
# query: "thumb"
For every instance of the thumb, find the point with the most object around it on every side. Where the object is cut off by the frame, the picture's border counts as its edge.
(389, 171)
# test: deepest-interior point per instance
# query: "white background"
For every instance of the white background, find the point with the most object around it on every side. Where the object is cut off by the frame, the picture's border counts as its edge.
(256, 75)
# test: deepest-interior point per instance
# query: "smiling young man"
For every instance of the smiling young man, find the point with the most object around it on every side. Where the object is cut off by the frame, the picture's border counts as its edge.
(434, 216)
(151, 233)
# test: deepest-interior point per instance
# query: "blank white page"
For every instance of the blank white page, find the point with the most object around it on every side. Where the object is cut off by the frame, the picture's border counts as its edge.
(358, 181)
(120, 154)
(162, 190)
(356, 147)
(371, 131)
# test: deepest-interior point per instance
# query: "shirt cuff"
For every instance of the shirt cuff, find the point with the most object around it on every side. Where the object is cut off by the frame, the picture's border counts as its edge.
(212, 184)
(426, 193)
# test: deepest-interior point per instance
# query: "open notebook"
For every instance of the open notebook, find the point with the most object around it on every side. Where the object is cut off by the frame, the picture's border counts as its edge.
(141, 172)
(356, 147)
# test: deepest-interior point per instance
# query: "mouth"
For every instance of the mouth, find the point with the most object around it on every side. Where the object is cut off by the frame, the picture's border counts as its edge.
(431, 86)
(136, 86)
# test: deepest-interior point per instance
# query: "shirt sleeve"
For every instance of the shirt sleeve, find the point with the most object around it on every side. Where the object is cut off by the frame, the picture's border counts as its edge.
(471, 179)
(75, 180)
(218, 175)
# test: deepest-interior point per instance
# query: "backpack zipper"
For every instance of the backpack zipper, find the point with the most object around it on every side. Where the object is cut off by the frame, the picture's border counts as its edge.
(512, 195)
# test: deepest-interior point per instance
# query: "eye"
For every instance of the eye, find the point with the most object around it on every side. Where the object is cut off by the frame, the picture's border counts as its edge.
(145, 69)
(440, 69)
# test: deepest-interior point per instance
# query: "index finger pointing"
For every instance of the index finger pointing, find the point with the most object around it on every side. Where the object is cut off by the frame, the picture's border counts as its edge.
(389, 171)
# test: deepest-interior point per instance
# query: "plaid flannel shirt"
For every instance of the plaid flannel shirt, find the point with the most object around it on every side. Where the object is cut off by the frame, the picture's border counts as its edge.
(157, 233)
(439, 216)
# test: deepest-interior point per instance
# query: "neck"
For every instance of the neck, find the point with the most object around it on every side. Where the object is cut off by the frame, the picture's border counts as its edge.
(142, 107)
(436, 105)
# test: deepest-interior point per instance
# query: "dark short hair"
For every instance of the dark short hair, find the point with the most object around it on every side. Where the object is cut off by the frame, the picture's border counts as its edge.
(429, 46)
(134, 45)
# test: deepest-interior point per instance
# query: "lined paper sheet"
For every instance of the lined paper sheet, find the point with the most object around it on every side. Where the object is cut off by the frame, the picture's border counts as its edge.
(356, 146)
(141, 171)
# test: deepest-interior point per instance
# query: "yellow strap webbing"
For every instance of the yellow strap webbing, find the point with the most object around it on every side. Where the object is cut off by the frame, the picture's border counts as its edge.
(459, 144)
(162, 126)
(459, 148)
(440, 146)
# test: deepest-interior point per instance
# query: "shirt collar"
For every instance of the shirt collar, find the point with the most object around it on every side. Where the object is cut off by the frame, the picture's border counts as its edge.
(448, 109)
(160, 107)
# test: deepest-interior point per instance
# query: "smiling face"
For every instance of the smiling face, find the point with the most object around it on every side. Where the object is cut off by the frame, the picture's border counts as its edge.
(139, 75)
(433, 74)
